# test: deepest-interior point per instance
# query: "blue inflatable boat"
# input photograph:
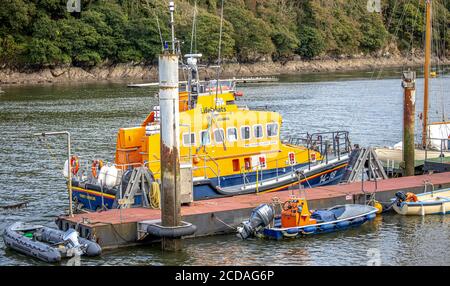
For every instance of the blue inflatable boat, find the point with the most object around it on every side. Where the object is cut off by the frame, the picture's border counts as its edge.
(296, 220)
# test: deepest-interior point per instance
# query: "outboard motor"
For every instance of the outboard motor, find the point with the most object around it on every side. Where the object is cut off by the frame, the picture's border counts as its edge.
(260, 218)
(401, 197)
(71, 241)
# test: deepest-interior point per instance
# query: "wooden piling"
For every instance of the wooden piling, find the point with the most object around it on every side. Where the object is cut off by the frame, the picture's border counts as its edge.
(409, 107)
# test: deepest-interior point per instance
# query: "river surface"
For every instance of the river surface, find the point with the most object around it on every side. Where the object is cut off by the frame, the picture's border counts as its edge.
(368, 104)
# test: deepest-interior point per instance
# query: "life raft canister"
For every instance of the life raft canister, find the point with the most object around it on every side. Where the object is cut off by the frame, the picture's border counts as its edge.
(96, 167)
(75, 164)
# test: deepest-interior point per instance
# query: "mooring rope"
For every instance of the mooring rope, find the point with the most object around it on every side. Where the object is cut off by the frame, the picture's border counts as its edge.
(155, 196)
(218, 219)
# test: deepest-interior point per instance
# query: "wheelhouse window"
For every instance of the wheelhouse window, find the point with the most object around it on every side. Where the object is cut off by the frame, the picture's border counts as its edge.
(232, 135)
(245, 132)
(258, 131)
(189, 139)
(205, 137)
(219, 135)
(272, 129)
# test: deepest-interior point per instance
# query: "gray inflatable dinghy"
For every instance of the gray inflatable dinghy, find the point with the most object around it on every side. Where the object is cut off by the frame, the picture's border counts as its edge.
(48, 244)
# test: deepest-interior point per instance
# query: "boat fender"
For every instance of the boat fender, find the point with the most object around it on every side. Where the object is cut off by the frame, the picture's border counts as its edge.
(158, 230)
(293, 230)
(309, 229)
(287, 234)
(102, 175)
(378, 206)
(112, 177)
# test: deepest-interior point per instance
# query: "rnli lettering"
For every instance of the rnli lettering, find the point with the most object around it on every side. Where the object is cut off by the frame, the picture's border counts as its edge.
(210, 109)
(87, 197)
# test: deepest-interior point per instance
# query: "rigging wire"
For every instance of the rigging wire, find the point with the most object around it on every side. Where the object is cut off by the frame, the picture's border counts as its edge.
(402, 18)
(387, 29)
(157, 23)
(439, 50)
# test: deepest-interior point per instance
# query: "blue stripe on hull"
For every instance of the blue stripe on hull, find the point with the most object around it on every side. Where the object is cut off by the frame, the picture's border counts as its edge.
(91, 201)
(94, 202)
(207, 191)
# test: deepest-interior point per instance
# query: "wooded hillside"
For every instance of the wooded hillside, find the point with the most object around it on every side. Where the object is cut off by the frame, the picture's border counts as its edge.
(41, 33)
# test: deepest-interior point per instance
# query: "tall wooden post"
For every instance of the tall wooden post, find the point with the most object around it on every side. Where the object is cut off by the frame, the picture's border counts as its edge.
(170, 142)
(426, 73)
(409, 107)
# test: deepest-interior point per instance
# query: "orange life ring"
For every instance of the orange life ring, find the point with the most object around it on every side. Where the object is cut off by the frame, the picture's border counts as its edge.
(411, 197)
(96, 167)
(75, 164)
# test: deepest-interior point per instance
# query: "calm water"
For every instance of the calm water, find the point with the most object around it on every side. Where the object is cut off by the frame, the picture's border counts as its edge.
(367, 105)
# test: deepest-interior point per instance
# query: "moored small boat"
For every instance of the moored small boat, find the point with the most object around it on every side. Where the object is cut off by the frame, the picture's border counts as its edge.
(296, 220)
(47, 244)
(427, 203)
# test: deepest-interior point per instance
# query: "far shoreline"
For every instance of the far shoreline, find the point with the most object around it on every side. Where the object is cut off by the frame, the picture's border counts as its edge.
(141, 73)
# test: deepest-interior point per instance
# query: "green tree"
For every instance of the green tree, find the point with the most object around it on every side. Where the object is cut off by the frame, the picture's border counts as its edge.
(282, 19)
(312, 42)
(374, 34)
(42, 52)
(11, 51)
(251, 35)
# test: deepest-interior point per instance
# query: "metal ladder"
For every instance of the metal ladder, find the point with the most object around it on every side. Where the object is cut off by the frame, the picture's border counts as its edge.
(139, 184)
(375, 168)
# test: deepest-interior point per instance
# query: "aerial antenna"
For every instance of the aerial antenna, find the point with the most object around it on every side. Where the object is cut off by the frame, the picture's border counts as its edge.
(172, 26)
(219, 56)
(194, 29)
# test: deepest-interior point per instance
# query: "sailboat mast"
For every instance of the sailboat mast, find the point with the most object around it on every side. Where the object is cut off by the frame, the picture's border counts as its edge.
(427, 72)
